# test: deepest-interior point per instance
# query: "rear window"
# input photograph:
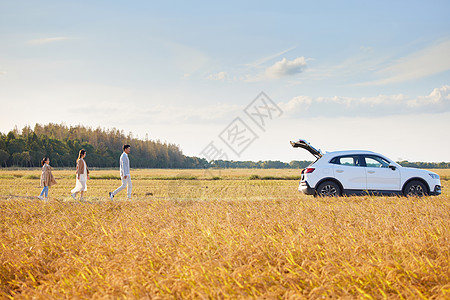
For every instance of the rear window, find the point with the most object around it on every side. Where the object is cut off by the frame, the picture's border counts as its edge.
(347, 160)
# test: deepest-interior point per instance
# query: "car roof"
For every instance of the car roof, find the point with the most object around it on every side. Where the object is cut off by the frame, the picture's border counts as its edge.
(350, 152)
(301, 143)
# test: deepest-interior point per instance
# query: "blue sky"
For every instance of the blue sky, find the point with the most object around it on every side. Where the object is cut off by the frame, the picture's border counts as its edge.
(346, 75)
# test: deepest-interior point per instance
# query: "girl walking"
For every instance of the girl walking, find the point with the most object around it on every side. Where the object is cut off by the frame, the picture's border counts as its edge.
(47, 178)
(82, 175)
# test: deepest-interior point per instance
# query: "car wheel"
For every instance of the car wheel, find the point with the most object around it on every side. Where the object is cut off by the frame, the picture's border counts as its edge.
(415, 188)
(328, 189)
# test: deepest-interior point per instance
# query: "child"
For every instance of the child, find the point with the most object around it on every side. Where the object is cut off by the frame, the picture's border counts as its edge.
(47, 178)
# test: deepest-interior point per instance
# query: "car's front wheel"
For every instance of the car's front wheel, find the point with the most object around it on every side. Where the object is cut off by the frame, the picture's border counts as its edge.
(328, 189)
(415, 188)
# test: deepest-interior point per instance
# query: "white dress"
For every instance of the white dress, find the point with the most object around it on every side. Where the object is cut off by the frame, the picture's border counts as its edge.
(80, 185)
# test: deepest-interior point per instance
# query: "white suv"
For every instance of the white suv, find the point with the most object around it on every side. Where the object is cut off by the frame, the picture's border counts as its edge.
(362, 172)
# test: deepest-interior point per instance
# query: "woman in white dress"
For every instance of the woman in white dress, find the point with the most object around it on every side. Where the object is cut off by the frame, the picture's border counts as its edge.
(82, 175)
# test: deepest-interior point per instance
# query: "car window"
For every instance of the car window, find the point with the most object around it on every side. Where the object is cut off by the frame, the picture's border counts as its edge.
(349, 160)
(373, 161)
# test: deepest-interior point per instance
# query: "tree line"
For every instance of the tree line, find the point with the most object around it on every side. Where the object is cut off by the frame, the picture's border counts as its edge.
(61, 144)
(425, 165)
(27, 147)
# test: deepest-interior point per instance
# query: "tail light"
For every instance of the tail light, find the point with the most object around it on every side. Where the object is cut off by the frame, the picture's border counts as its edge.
(309, 170)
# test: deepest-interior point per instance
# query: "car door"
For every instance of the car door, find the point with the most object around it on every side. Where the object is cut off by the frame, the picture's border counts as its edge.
(379, 176)
(348, 170)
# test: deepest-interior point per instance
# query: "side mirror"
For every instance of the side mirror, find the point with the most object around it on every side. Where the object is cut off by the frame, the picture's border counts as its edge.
(392, 167)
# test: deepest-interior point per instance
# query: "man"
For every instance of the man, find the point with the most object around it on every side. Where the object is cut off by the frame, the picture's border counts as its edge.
(124, 173)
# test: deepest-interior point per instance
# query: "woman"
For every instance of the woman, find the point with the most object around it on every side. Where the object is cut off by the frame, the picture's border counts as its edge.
(47, 178)
(82, 175)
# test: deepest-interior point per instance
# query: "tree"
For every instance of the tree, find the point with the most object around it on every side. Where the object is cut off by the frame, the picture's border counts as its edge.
(3, 142)
(26, 159)
(4, 156)
(16, 145)
(10, 136)
(16, 159)
(295, 164)
(22, 159)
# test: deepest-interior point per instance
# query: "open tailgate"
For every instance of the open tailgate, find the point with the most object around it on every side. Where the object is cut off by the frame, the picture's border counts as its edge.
(305, 145)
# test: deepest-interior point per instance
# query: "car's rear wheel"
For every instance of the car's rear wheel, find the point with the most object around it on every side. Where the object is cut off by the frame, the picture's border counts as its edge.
(415, 188)
(328, 189)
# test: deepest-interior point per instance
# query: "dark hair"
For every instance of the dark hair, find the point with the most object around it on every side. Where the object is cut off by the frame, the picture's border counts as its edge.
(126, 147)
(44, 160)
(82, 152)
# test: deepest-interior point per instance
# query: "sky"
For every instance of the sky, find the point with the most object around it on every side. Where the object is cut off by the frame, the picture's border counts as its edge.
(235, 80)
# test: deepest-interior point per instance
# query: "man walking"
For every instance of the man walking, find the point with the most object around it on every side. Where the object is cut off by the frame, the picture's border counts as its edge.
(124, 173)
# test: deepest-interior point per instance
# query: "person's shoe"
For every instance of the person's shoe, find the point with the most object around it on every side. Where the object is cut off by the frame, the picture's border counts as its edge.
(74, 196)
(40, 198)
(111, 196)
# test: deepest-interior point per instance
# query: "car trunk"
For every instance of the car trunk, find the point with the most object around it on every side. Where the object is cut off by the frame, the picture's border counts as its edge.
(305, 145)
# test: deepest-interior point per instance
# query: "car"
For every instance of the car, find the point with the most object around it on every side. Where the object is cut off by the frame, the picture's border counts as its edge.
(356, 172)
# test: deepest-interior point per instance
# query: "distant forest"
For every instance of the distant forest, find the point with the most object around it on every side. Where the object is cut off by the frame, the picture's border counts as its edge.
(61, 143)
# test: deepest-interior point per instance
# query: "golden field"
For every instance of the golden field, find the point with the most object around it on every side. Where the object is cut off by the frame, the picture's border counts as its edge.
(218, 234)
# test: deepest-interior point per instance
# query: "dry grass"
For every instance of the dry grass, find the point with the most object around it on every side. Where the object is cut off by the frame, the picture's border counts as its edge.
(227, 238)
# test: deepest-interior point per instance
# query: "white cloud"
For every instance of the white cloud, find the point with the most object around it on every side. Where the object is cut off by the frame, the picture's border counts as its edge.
(282, 68)
(426, 62)
(263, 60)
(303, 102)
(218, 76)
(286, 67)
(438, 101)
(438, 97)
(47, 40)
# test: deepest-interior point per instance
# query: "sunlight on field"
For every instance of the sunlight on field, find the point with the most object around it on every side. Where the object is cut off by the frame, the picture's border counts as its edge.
(218, 234)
